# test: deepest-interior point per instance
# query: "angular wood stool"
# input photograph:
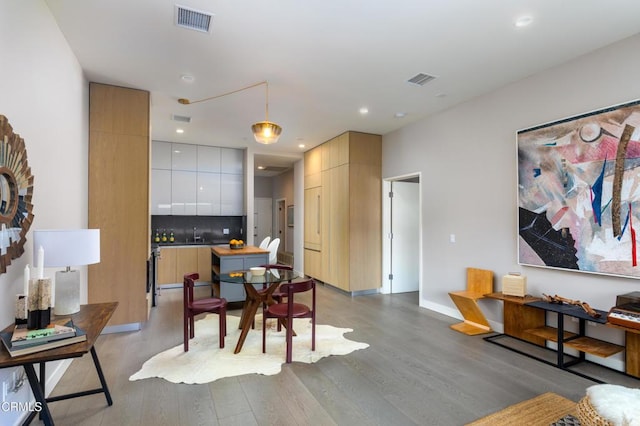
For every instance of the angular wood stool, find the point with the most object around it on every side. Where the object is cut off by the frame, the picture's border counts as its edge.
(479, 283)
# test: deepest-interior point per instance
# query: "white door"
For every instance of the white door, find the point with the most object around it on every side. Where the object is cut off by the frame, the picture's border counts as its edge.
(262, 219)
(405, 244)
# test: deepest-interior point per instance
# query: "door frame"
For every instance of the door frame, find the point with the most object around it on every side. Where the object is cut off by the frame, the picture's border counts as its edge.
(386, 231)
(280, 217)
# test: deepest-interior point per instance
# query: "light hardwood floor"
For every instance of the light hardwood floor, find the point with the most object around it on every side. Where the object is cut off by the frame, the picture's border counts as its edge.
(416, 371)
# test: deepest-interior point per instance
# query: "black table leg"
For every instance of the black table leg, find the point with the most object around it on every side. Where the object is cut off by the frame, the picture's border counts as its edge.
(39, 394)
(560, 340)
(103, 382)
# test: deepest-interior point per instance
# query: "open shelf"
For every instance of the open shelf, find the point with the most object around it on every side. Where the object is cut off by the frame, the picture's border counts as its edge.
(550, 333)
(594, 346)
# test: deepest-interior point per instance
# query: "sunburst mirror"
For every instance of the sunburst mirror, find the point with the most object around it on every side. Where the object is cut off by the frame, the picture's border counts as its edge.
(16, 190)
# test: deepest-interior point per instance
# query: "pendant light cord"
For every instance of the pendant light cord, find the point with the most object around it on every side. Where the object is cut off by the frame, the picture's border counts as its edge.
(188, 102)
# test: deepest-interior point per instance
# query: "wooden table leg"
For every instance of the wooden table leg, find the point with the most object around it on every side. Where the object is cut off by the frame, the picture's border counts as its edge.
(250, 309)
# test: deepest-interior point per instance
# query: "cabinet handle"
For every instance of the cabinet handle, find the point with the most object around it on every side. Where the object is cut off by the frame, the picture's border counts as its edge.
(318, 218)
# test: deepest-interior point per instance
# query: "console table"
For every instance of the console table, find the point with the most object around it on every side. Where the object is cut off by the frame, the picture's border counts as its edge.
(525, 319)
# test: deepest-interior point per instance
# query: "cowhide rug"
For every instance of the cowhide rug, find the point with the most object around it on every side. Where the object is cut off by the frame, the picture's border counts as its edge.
(206, 362)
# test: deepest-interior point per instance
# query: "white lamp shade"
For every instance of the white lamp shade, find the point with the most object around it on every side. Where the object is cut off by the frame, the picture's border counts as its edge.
(67, 247)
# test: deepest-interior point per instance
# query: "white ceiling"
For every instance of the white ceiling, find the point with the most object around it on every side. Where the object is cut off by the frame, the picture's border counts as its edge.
(324, 60)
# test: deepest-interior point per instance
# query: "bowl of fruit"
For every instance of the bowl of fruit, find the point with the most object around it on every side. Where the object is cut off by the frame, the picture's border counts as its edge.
(236, 244)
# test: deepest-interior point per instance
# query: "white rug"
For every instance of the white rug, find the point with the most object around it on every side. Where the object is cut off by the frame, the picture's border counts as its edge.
(206, 362)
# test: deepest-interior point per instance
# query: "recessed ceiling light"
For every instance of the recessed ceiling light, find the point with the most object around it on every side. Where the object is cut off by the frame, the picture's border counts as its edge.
(523, 21)
(186, 77)
(260, 167)
(301, 145)
(441, 95)
(179, 131)
(364, 110)
(400, 114)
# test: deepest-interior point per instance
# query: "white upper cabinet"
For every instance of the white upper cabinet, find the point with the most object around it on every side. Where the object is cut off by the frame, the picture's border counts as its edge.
(232, 195)
(196, 180)
(183, 157)
(232, 161)
(160, 191)
(208, 195)
(161, 155)
(183, 192)
(209, 159)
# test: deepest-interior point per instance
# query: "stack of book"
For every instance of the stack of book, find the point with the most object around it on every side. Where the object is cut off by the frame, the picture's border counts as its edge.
(61, 332)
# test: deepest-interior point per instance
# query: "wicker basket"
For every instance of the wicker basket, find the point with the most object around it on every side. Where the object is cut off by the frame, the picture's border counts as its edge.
(588, 415)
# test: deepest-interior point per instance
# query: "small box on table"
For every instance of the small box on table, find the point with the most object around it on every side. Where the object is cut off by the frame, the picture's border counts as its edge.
(514, 284)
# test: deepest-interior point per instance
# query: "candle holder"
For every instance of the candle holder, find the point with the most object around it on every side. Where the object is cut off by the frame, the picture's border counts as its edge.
(21, 309)
(39, 303)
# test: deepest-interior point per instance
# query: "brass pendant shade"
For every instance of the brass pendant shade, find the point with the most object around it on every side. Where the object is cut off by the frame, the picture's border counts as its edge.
(264, 132)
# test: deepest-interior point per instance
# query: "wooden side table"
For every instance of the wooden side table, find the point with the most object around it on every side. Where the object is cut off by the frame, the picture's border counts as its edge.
(518, 317)
(92, 319)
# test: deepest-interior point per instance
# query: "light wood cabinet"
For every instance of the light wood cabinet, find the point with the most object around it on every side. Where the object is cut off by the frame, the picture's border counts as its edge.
(167, 266)
(174, 262)
(118, 201)
(313, 167)
(204, 263)
(350, 226)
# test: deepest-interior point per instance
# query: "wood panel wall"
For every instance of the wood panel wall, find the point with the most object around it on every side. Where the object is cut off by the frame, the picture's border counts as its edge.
(119, 198)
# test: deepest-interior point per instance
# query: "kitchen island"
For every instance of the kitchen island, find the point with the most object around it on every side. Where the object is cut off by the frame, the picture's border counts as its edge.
(224, 259)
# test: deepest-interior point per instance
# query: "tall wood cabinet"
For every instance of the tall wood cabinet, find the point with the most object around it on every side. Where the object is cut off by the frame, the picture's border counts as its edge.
(343, 212)
(119, 198)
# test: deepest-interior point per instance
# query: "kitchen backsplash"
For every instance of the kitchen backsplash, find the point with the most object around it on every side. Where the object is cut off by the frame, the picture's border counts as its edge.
(208, 229)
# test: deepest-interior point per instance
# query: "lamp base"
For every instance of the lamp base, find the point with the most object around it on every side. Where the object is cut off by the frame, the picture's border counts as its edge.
(67, 292)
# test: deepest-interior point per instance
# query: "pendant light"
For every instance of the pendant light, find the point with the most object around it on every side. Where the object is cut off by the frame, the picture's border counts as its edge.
(265, 132)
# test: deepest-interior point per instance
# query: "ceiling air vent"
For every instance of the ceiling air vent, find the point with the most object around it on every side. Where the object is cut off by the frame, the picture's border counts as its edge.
(421, 79)
(181, 118)
(192, 19)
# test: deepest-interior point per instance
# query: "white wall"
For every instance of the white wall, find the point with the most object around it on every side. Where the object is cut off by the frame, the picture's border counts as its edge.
(45, 98)
(467, 157)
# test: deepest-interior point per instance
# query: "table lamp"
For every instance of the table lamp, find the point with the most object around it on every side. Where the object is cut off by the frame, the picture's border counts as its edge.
(67, 247)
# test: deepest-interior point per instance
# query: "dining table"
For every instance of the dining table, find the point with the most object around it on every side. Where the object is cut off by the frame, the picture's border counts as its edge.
(259, 290)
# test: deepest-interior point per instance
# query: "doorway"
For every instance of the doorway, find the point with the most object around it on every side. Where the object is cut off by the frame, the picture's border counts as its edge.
(262, 219)
(281, 222)
(402, 245)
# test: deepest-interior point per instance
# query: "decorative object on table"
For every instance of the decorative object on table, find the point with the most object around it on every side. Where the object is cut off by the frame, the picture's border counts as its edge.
(236, 244)
(80, 336)
(206, 362)
(16, 210)
(257, 270)
(264, 132)
(60, 328)
(39, 303)
(514, 284)
(573, 210)
(21, 309)
(68, 247)
(560, 300)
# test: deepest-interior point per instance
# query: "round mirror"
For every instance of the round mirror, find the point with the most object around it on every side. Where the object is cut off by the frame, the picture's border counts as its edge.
(16, 190)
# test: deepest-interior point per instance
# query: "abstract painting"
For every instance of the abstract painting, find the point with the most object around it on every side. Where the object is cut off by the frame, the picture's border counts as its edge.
(579, 192)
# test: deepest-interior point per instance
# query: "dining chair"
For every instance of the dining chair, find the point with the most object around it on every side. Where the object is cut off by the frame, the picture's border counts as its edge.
(278, 295)
(265, 243)
(290, 310)
(193, 307)
(273, 250)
